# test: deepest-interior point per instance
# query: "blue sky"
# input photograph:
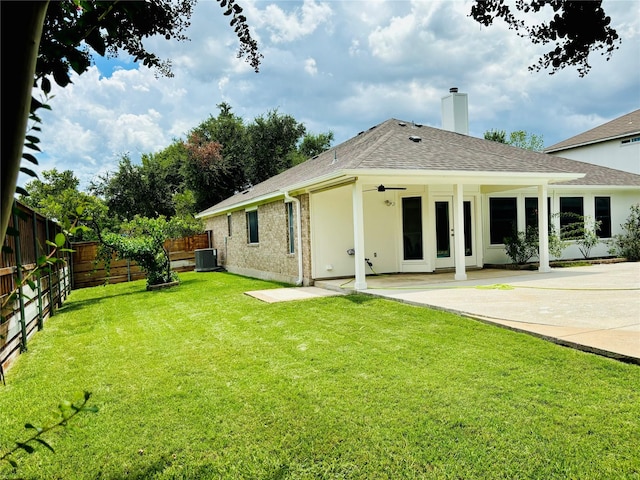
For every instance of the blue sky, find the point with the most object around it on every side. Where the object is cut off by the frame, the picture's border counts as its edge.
(340, 66)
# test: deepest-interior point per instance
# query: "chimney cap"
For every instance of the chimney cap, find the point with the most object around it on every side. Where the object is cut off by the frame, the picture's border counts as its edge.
(453, 90)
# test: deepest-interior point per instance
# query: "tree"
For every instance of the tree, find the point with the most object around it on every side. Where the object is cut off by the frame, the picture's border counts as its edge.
(577, 29)
(133, 190)
(57, 197)
(528, 141)
(496, 136)
(273, 143)
(215, 166)
(54, 183)
(56, 34)
(518, 138)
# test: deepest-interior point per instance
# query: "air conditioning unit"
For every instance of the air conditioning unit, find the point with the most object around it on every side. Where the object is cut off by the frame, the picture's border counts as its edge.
(206, 260)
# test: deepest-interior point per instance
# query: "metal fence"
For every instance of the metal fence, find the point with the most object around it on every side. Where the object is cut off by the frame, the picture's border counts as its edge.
(38, 300)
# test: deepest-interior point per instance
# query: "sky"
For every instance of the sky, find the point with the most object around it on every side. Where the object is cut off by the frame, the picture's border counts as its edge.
(339, 66)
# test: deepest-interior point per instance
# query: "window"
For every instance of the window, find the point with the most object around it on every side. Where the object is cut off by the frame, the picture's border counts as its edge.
(252, 226)
(531, 212)
(468, 248)
(290, 228)
(571, 213)
(603, 215)
(412, 228)
(503, 218)
(229, 224)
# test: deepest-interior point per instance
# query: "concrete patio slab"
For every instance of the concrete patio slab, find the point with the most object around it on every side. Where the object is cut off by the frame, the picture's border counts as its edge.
(289, 294)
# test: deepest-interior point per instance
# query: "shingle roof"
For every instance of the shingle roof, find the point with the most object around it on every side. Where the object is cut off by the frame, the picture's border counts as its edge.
(388, 146)
(623, 126)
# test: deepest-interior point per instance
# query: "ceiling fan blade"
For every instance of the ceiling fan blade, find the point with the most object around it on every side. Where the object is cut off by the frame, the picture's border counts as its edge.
(382, 188)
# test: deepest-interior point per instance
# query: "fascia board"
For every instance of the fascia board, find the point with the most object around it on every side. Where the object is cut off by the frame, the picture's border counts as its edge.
(241, 205)
(590, 142)
(468, 177)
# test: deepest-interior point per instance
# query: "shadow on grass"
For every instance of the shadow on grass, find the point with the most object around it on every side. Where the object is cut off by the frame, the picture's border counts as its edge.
(73, 305)
(357, 298)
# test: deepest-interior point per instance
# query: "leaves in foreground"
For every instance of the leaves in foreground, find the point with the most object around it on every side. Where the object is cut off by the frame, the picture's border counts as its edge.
(68, 410)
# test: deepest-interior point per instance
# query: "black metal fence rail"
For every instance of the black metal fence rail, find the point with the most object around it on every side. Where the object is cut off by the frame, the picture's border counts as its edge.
(39, 298)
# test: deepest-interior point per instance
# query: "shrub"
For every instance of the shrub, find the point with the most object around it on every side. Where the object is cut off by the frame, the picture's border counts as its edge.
(583, 230)
(627, 243)
(522, 246)
(143, 242)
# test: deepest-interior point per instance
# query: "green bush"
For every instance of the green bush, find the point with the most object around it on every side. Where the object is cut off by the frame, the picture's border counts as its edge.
(627, 243)
(522, 246)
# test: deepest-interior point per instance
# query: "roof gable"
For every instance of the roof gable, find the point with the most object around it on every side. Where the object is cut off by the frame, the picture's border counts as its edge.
(623, 126)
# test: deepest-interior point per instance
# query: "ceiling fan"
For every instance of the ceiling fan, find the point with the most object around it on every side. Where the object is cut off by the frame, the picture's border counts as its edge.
(382, 188)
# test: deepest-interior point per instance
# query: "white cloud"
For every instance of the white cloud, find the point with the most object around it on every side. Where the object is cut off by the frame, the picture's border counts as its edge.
(310, 67)
(289, 26)
(378, 59)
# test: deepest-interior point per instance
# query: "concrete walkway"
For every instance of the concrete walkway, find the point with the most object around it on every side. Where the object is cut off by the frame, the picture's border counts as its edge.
(593, 308)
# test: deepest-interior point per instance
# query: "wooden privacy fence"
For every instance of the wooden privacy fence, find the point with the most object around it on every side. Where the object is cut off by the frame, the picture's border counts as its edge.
(27, 314)
(89, 273)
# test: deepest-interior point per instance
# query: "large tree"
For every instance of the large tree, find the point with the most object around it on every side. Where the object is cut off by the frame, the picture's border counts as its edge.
(273, 141)
(56, 196)
(133, 190)
(48, 39)
(215, 166)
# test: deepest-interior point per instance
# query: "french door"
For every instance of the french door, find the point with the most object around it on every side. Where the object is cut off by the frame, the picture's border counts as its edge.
(445, 235)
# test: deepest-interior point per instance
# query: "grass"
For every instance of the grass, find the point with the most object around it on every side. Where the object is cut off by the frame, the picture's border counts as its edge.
(202, 381)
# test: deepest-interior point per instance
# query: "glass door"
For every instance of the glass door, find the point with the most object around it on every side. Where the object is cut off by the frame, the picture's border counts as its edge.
(445, 235)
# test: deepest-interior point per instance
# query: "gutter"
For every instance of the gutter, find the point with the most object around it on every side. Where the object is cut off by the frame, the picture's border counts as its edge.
(288, 199)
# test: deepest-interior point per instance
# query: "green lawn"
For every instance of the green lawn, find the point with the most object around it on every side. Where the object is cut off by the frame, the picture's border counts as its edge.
(202, 381)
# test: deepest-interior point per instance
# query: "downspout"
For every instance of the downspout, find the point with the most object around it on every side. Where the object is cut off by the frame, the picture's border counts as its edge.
(287, 199)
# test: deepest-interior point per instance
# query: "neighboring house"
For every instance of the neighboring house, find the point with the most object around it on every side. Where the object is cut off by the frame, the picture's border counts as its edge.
(615, 144)
(402, 197)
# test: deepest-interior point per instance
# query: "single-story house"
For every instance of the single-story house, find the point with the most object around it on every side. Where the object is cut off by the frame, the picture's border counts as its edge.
(404, 197)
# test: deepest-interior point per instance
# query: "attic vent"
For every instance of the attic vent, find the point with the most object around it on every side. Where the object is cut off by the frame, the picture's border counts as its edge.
(402, 124)
(417, 125)
(372, 127)
(413, 138)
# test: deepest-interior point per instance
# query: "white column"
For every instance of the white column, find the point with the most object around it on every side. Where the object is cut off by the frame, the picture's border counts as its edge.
(358, 236)
(458, 231)
(543, 229)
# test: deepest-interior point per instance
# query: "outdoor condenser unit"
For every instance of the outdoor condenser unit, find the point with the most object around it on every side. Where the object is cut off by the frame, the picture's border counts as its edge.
(206, 260)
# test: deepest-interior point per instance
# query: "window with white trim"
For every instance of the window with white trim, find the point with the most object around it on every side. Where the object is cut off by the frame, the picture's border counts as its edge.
(571, 213)
(603, 215)
(290, 227)
(252, 226)
(503, 218)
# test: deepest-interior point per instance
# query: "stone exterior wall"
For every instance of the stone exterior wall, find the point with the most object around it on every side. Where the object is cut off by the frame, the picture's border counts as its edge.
(268, 259)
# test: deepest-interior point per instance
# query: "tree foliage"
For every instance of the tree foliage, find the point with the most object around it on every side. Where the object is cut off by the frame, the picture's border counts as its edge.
(142, 241)
(627, 243)
(577, 29)
(518, 138)
(57, 197)
(215, 165)
(273, 141)
(49, 39)
(134, 190)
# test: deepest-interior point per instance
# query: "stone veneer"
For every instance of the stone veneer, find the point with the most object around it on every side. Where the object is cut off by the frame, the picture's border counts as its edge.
(270, 258)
